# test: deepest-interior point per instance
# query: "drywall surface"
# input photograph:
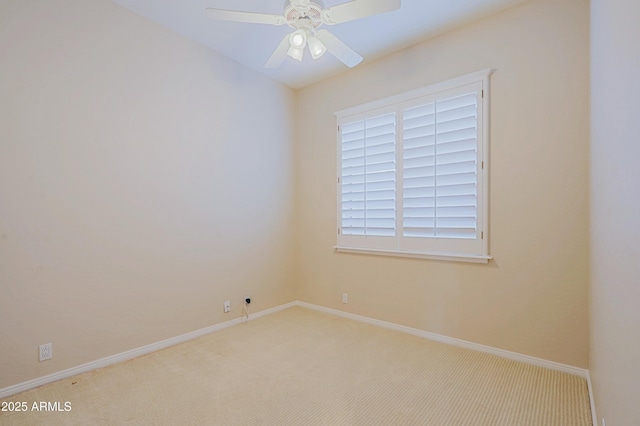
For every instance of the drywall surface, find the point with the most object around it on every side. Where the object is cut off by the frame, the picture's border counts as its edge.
(143, 180)
(533, 297)
(615, 210)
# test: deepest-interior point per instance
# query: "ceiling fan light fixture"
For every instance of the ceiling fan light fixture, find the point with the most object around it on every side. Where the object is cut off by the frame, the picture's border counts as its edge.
(298, 39)
(296, 53)
(316, 47)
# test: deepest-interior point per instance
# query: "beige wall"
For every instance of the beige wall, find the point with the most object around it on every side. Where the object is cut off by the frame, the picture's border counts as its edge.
(143, 181)
(615, 207)
(532, 299)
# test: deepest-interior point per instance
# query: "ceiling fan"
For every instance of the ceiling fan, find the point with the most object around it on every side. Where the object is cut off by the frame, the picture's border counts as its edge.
(305, 17)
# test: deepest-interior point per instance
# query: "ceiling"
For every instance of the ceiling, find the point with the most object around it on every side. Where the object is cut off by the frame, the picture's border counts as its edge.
(253, 44)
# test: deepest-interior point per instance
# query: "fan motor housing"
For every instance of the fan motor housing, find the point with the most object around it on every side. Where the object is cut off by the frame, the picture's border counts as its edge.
(310, 11)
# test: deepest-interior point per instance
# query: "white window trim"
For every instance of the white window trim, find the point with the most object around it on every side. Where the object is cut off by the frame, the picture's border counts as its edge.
(479, 76)
(454, 257)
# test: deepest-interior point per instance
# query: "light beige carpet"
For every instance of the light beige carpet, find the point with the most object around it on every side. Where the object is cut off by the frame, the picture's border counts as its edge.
(301, 367)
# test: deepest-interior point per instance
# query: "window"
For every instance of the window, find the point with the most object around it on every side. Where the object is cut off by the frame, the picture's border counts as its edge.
(413, 173)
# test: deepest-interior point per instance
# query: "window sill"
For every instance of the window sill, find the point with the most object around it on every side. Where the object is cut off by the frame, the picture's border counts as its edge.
(417, 255)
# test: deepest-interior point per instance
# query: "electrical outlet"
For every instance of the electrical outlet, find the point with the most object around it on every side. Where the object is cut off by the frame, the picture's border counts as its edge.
(227, 306)
(46, 351)
(345, 297)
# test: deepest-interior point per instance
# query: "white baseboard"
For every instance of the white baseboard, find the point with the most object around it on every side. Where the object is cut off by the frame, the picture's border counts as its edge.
(453, 341)
(134, 353)
(592, 401)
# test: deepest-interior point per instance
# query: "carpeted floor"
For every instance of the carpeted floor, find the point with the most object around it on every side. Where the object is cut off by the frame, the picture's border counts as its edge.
(302, 367)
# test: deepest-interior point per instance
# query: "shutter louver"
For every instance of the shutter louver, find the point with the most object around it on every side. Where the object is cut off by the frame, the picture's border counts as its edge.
(368, 176)
(440, 168)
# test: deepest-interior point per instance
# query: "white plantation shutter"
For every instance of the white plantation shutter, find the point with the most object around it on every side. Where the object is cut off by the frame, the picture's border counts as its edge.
(368, 171)
(411, 173)
(440, 168)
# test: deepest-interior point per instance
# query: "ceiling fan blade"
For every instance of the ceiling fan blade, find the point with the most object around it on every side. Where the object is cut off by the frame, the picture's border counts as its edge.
(238, 16)
(338, 49)
(357, 9)
(279, 54)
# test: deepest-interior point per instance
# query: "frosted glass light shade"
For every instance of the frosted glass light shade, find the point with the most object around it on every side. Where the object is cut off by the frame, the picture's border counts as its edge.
(298, 39)
(296, 53)
(316, 47)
